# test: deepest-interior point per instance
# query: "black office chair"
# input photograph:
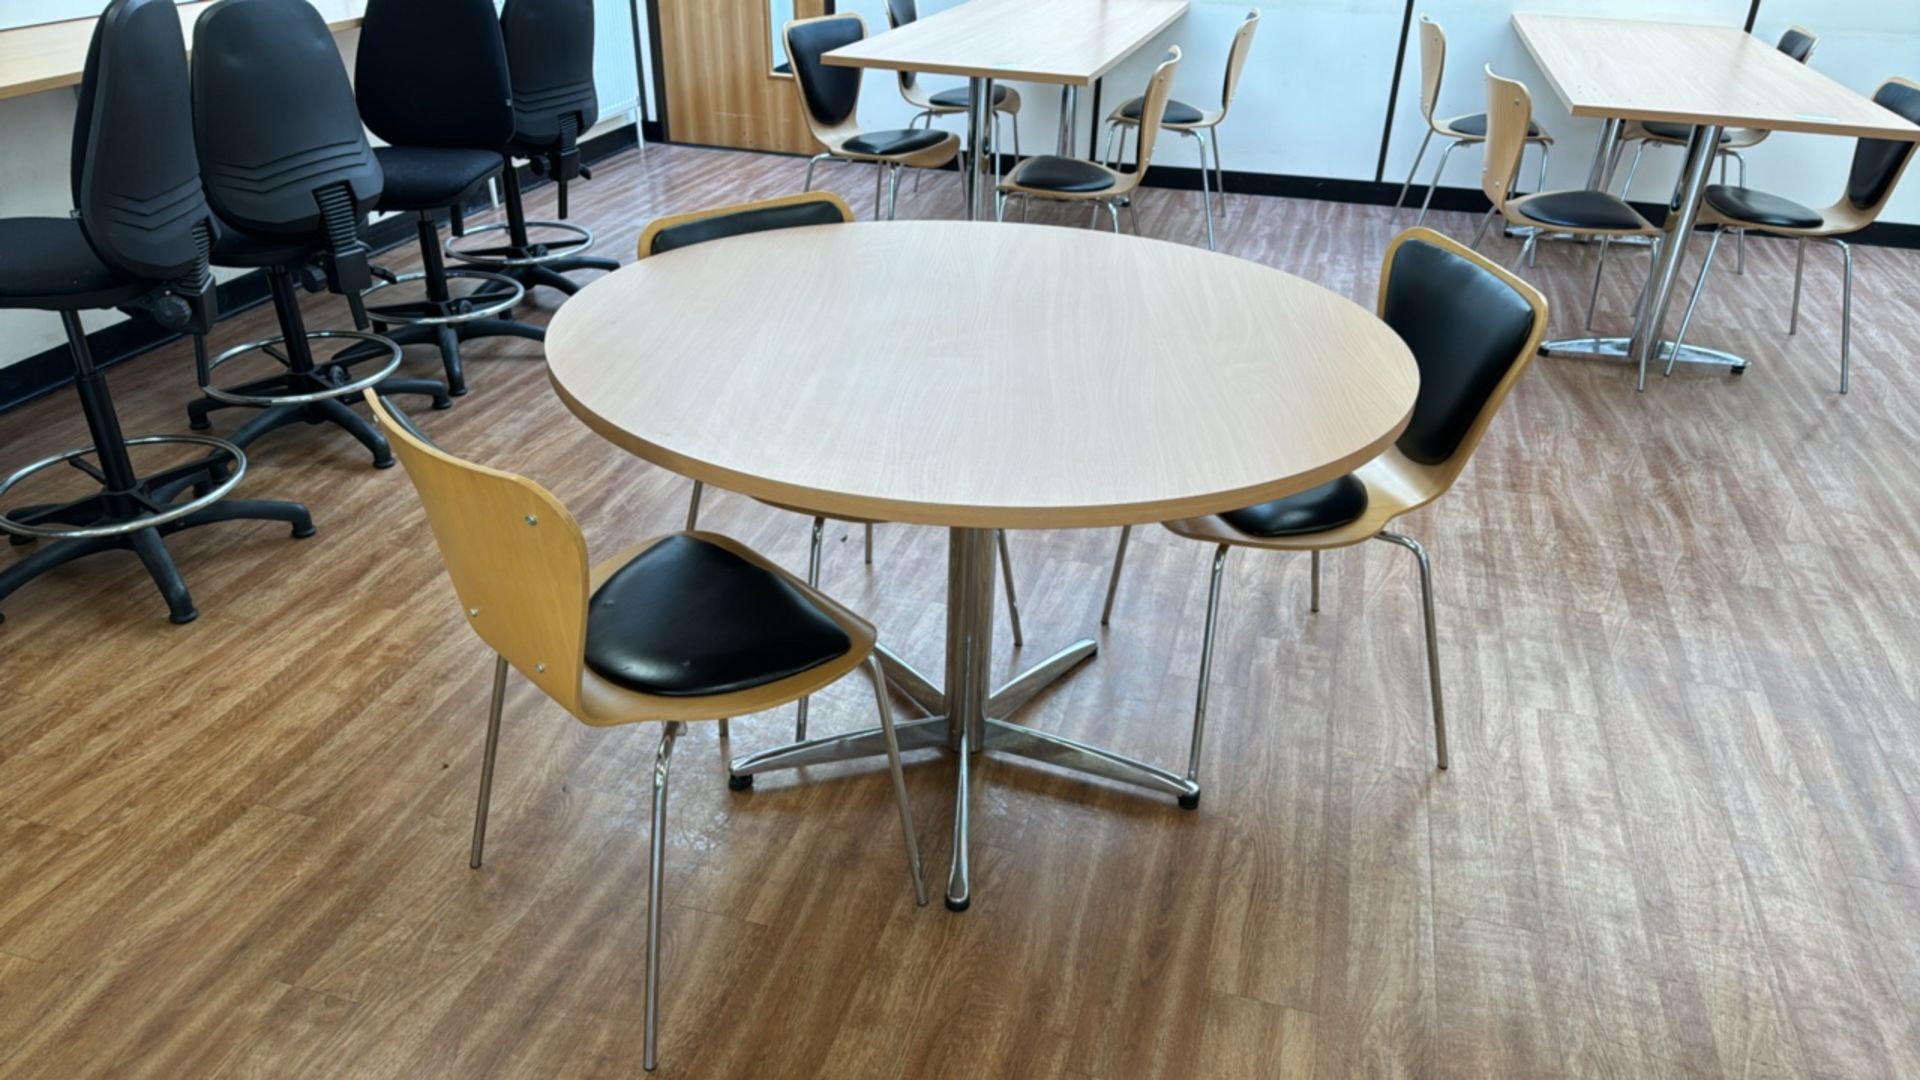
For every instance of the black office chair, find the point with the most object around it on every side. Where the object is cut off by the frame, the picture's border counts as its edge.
(431, 80)
(549, 46)
(138, 241)
(288, 170)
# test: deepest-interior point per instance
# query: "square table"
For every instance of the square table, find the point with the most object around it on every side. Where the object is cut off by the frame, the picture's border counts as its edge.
(1712, 77)
(1065, 42)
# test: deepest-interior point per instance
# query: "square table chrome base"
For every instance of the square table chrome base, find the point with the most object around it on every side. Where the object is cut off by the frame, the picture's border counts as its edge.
(1620, 348)
(968, 716)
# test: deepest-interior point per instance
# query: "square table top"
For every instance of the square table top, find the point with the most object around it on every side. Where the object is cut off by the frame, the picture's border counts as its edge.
(1639, 70)
(1067, 42)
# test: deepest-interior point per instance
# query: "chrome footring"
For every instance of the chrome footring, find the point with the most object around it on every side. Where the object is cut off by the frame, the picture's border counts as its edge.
(122, 528)
(478, 304)
(269, 400)
(580, 238)
(1619, 348)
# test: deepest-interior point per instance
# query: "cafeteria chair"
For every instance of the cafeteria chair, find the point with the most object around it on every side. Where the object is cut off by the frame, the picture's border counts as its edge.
(785, 212)
(1071, 180)
(1192, 122)
(830, 100)
(1877, 167)
(1473, 329)
(137, 240)
(291, 176)
(957, 101)
(678, 628)
(431, 81)
(549, 47)
(1467, 130)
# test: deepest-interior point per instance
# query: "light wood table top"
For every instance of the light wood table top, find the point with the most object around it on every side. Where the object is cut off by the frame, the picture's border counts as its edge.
(1069, 42)
(981, 376)
(52, 55)
(1638, 70)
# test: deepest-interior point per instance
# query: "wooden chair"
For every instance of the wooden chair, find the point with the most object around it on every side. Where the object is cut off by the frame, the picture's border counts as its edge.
(1462, 130)
(1065, 179)
(956, 101)
(1187, 120)
(1878, 165)
(1473, 328)
(691, 626)
(830, 98)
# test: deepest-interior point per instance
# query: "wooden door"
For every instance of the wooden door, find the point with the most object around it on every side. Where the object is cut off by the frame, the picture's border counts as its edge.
(722, 89)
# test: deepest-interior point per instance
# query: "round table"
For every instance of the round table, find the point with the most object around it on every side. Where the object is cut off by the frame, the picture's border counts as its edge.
(980, 377)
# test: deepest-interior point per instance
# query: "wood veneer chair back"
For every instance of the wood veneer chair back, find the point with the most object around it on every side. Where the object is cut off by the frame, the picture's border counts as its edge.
(1509, 116)
(516, 556)
(1433, 65)
(785, 212)
(829, 95)
(1878, 164)
(1236, 58)
(1159, 88)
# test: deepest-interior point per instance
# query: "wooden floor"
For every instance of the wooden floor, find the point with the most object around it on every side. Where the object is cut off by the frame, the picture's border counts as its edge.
(1681, 836)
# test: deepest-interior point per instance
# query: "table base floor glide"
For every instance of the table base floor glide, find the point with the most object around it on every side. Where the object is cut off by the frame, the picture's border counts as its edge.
(970, 716)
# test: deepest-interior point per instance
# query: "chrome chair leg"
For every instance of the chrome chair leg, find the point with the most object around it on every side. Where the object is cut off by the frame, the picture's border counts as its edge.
(726, 746)
(1799, 272)
(869, 543)
(1740, 264)
(1113, 580)
(1633, 169)
(1000, 206)
(1006, 575)
(811, 162)
(1206, 193)
(1113, 212)
(893, 192)
(1113, 133)
(879, 186)
(813, 582)
(487, 758)
(914, 867)
(656, 861)
(1846, 311)
(1219, 171)
(1653, 267)
(1699, 287)
(1413, 170)
(1438, 169)
(1313, 601)
(1192, 802)
(1481, 233)
(693, 506)
(1600, 264)
(1433, 639)
(1546, 152)
(1526, 250)
(922, 114)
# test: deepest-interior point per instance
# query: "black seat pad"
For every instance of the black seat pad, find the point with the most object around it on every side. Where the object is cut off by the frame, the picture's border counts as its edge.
(1760, 208)
(1329, 506)
(1581, 210)
(431, 177)
(49, 265)
(1476, 124)
(1049, 173)
(961, 97)
(1176, 112)
(688, 618)
(902, 141)
(1677, 132)
(236, 248)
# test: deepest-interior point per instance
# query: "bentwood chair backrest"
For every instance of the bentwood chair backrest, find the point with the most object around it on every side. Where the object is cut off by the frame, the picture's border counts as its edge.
(830, 94)
(899, 14)
(516, 556)
(1879, 163)
(1159, 87)
(1798, 43)
(786, 212)
(1473, 328)
(1433, 65)
(1236, 58)
(1509, 115)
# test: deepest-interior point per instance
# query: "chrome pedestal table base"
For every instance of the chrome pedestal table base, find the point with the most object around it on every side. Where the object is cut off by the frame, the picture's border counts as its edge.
(970, 716)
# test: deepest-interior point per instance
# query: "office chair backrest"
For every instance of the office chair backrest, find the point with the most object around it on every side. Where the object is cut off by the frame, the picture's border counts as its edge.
(434, 74)
(1509, 116)
(1798, 43)
(1878, 163)
(274, 116)
(1237, 58)
(549, 46)
(136, 180)
(899, 14)
(786, 212)
(1433, 65)
(516, 556)
(831, 94)
(1473, 328)
(1153, 107)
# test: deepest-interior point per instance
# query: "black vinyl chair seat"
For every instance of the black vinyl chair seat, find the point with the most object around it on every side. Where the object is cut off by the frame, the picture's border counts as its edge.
(961, 97)
(1581, 210)
(431, 177)
(1049, 173)
(1329, 506)
(899, 141)
(1475, 124)
(1176, 112)
(1673, 131)
(1746, 204)
(687, 618)
(50, 266)
(249, 250)
(760, 219)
